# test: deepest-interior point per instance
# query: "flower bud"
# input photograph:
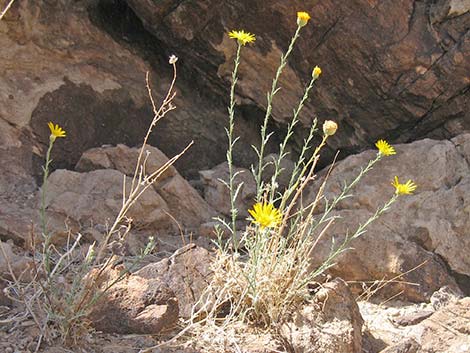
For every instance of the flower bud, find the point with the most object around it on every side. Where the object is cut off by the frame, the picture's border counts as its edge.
(316, 72)
(329, 127)
(302, 18)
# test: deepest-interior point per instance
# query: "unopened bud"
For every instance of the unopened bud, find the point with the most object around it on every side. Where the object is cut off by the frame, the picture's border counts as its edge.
(329, 127)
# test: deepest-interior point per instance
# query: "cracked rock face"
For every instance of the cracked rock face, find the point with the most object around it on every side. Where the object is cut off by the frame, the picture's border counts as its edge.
(390, 69)
(425, 233)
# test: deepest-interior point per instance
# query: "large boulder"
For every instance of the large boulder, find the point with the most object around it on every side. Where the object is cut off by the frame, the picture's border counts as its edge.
(395, 69)
(425, 233)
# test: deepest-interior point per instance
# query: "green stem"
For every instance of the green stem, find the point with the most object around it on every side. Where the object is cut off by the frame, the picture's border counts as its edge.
(231, 144)
(290, 131)
(329, 262)
(270, 96)
(43, 219)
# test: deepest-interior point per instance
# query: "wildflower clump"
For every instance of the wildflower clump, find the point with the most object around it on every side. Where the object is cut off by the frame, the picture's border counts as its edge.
(404, 189)
(242, 37)
(265, 215)
(263, 272)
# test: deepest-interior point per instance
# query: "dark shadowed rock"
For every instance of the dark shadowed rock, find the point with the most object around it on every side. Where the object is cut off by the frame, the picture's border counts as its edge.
(390, 69)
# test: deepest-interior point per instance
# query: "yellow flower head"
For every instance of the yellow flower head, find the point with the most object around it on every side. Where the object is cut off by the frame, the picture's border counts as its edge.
(404, 189)
(56, 131)
(384, 148)
(316, 72)
(329, 127)
(242, 37)
(302, 18)
(265, 215)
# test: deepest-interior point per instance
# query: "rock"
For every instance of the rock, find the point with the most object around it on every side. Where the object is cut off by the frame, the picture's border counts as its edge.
(94, 198)
(11, 261)
(444, 296)
(216, 192)
(98, 102)
(408, 346)
(447, 331)
(413, 319)
(187, 272)
(332, 323)
(133, 304)
(412, 82)
(144, 302)
(184, 203)
(124, 159)
(422, 233)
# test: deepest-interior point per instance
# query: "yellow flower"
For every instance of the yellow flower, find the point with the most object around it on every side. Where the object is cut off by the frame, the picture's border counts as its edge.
(242, 37)
(56, 131)
(316, 72)
(266, 215)
(329, 127)
(302, 18)
(404, 189)
(384, 148)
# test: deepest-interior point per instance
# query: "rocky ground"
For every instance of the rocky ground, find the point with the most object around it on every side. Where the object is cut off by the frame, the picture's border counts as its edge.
(405, 281)
(395, 70)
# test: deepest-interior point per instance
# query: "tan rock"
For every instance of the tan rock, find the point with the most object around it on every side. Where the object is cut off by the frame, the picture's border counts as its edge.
(187, 272)
(95, 198)
(447, 331)
(134, 305)
(421, 233)
(183, 202)
(331, 324)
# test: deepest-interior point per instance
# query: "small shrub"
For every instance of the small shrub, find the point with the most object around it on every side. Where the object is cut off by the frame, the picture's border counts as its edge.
(66, 282)
(263, 276)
